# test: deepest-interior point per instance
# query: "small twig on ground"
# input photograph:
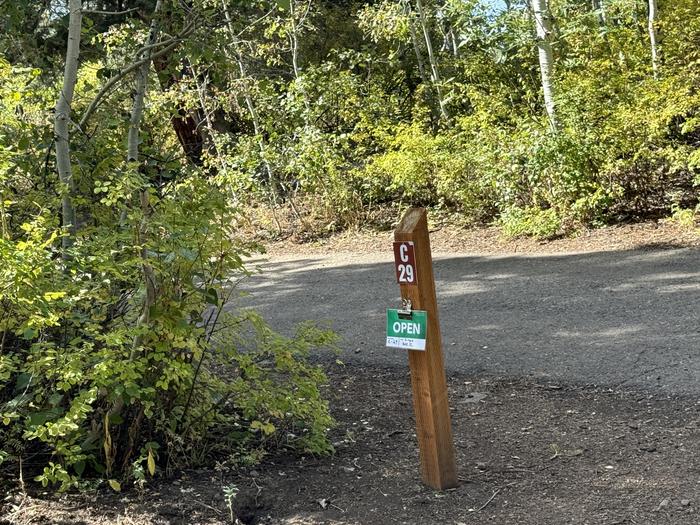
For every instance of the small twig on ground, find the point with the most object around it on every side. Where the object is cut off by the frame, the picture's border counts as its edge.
(494, 495)
(208, 506)
(258, 492)
(489, 500)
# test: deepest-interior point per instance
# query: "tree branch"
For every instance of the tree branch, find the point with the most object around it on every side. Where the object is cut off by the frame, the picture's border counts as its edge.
(128, 69)
(126, 11)
(253, 23)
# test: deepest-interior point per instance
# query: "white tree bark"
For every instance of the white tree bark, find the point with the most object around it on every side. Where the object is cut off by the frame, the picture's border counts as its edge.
(435, 72)
(653, 13)
(414, 40)
(247, 96)
(449, 39)
(254, 117)
(165, 48)
(241, 67)
(599, 8)
(62, 119)
(202, 95)
(543, 25)
(453, 42)
(141, 84)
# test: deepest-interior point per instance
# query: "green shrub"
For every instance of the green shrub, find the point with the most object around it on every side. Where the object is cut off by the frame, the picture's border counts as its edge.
(533, 222)
(96, 382)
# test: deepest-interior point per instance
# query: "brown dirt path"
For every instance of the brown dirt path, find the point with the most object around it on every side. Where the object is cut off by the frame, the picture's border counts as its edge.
(490, 241)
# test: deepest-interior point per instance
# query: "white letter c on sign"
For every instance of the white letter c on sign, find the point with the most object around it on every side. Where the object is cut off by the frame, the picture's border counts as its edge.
(402, 252)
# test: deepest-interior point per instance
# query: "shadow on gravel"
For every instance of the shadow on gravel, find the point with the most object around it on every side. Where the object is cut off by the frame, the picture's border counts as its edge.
(619, 318)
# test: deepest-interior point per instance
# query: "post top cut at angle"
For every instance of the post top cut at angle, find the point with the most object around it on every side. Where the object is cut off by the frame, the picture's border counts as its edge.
(409, 222)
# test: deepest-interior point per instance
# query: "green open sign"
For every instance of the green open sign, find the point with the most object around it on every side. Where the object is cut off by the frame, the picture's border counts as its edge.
(406, 331)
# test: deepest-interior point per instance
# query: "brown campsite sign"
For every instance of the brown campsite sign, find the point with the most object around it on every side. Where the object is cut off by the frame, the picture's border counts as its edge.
(405, 263)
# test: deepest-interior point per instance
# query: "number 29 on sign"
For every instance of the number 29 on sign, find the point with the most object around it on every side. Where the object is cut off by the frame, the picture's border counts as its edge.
(405, 262)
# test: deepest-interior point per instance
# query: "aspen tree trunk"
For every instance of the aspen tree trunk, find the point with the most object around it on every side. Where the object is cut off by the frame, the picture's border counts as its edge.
(140, 92)
(414, 40)
(543, 25)
(4, 230)
(202, 95)
(256, 121)
(653, 13)
(432, 59)
(297, 77)
(241, 68)
(449, 39)
(294, 40)
(599, 8)
(132, 157)
(149, 276)
(62, 119)
(453, 40)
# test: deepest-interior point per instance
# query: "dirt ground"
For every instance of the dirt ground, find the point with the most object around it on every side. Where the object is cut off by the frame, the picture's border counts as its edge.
(448, 238)
(527, 452)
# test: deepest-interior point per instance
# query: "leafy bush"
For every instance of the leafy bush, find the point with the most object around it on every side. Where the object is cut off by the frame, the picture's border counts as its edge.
(532, 222)
(426, 169)
(95, 380)
(685, 217)
(118, 357)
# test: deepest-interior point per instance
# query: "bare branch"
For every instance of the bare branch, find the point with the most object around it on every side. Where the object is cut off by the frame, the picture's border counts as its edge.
(125, 12)
(162, 43)
(254, 22)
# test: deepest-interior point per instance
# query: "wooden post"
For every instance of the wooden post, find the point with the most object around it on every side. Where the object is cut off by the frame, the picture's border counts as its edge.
(427, 367)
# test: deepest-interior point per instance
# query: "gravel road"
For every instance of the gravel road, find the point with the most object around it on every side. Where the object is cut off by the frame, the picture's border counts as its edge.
(623, 319)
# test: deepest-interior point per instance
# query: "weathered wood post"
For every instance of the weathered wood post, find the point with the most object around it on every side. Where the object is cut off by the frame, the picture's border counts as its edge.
(414, 266)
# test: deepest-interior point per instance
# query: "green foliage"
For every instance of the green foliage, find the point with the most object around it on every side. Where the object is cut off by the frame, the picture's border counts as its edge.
(84, 379)
(532, 222)
(277, 394)
(94, 379)
(685, 217)
(422, 168)
(360, 127)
